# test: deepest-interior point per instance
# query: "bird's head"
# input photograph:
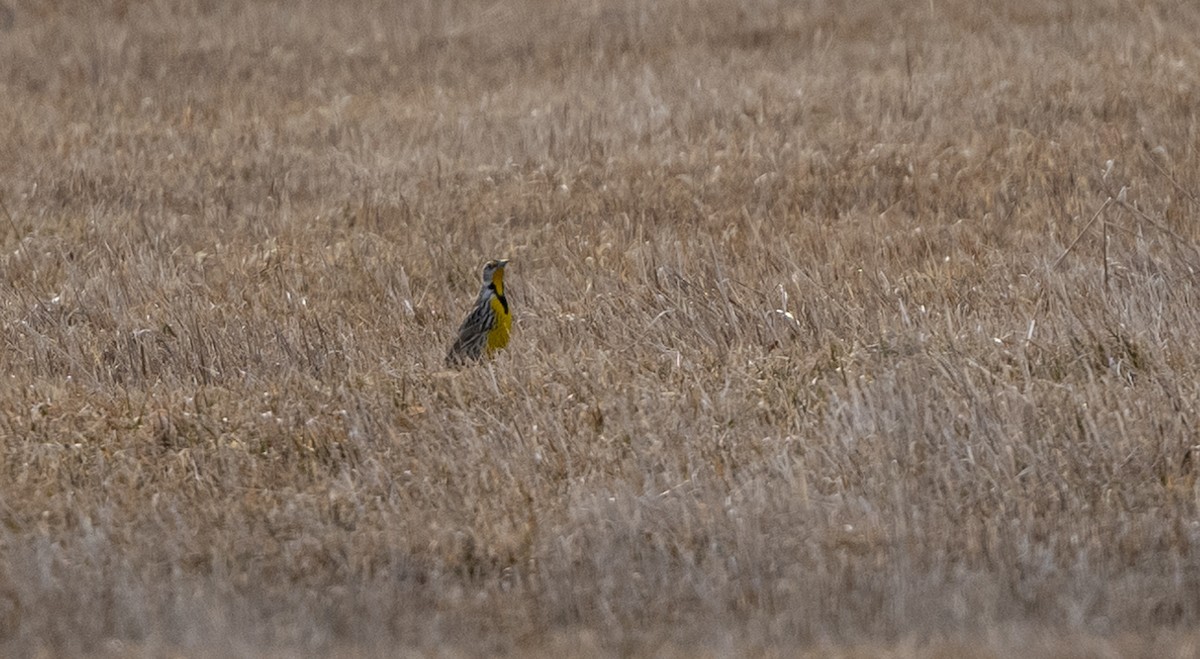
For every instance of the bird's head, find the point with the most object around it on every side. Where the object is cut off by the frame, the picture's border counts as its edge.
(493, 275)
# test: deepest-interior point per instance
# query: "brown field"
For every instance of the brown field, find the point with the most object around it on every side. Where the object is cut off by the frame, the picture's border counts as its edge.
(842, 328)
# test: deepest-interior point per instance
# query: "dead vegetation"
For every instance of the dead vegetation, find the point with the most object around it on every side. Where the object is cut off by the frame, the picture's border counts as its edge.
(839, 330)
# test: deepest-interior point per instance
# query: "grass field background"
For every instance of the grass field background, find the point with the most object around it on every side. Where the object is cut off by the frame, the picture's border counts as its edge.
(859, 327)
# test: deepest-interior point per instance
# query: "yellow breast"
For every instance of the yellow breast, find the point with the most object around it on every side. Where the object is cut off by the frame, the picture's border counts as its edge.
(497, 338)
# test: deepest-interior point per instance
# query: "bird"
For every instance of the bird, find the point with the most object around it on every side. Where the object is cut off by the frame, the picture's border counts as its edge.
(486, 328)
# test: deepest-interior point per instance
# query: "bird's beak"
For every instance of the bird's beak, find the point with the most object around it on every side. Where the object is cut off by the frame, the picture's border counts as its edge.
(502, 263)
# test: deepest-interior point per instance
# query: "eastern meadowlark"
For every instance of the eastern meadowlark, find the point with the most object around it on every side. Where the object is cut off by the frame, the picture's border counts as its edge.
(486, 328)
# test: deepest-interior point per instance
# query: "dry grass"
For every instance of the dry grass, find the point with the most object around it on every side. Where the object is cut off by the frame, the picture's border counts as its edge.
(816, 350)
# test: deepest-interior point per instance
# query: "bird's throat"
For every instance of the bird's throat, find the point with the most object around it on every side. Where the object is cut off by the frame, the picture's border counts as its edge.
(498, 284)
